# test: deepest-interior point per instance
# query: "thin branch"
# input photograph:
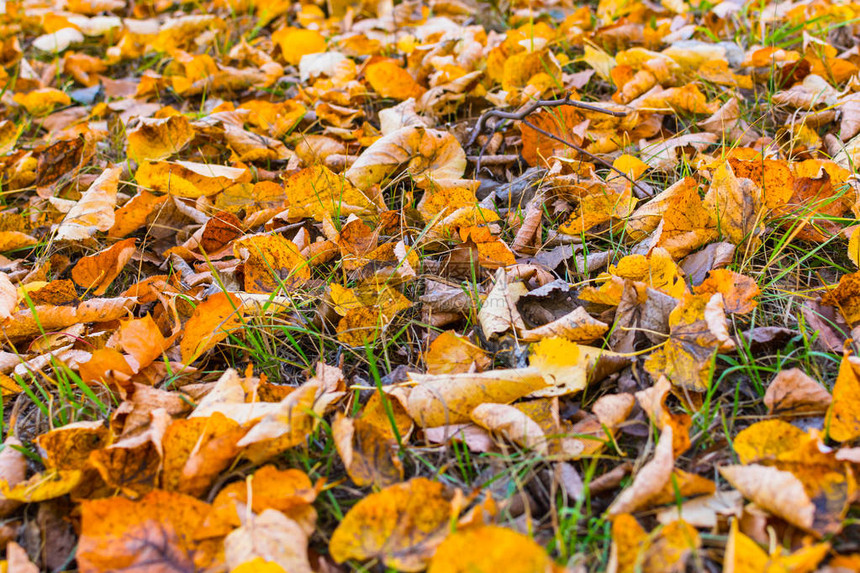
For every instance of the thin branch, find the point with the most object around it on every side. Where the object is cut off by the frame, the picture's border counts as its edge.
(588, 154)
(480, 127)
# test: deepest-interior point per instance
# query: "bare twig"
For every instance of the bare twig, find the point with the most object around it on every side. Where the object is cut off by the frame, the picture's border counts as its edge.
(588, 154)
(523, 113)
(493, 159)
(480, 127)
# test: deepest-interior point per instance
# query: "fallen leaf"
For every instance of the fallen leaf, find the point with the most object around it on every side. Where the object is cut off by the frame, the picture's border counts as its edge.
(650, 480)
(270, 537)
(211, 322)
(272, 263)
(450, 353)
(793, 392)
(498, 312)
(97, 272)
(402, 525)
(13, 470)
(738, 291)
(155, 532)
(511, 423)
(390, 80)
(489, 548)
(317, 191)
(736, 206)
(94, 211)
(777, 491)
(743, 555)
(843, 416)
(155, 139)
(697, 331)
(297, 42)
(444, 399)
(187, 179)
(423, 152)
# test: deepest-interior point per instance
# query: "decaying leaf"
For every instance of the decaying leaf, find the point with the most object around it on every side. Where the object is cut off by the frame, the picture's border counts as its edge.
(650, 480)
(402, 525)
(489, 548)
(94, 211)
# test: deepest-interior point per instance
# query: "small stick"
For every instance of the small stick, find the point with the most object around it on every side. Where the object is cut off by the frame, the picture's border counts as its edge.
(493, 159)
(588, 154)
(526, 111)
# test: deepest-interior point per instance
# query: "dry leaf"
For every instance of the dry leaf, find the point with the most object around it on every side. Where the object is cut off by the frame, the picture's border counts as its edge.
(212, 322)
(792, 391)
(94, 211)
(402, 525)
(97, 272)
(489, 548)
(444, 399)
(650, 480)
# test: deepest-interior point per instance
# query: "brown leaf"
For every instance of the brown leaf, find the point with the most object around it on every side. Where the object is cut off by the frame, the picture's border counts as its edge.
(792, 392)
(13, 470)
(777, 491)
(649, 481)
(97, 272)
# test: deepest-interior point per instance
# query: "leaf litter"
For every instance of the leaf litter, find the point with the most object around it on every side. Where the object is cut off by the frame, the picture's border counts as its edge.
(453, 286)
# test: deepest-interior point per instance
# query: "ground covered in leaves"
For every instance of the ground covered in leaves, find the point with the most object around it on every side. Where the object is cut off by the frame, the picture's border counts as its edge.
(446, 285)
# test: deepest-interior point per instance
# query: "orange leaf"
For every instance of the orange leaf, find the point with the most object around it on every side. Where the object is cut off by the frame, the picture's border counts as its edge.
(97, 272)
(211, 322)
(154, 533)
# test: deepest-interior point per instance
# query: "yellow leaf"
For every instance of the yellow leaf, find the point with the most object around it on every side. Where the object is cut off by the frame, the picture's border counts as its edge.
(390, 80)
(402, 525)
(450, 353)
(843, 417)
(155, 139)
(317, 192)
(450, 398)
(42, 101)
(43, 486)
(187, 179)
(297, 42)
(736, 206)
(697, 331)
(271, 262)
(490, 548)
(564, 364)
